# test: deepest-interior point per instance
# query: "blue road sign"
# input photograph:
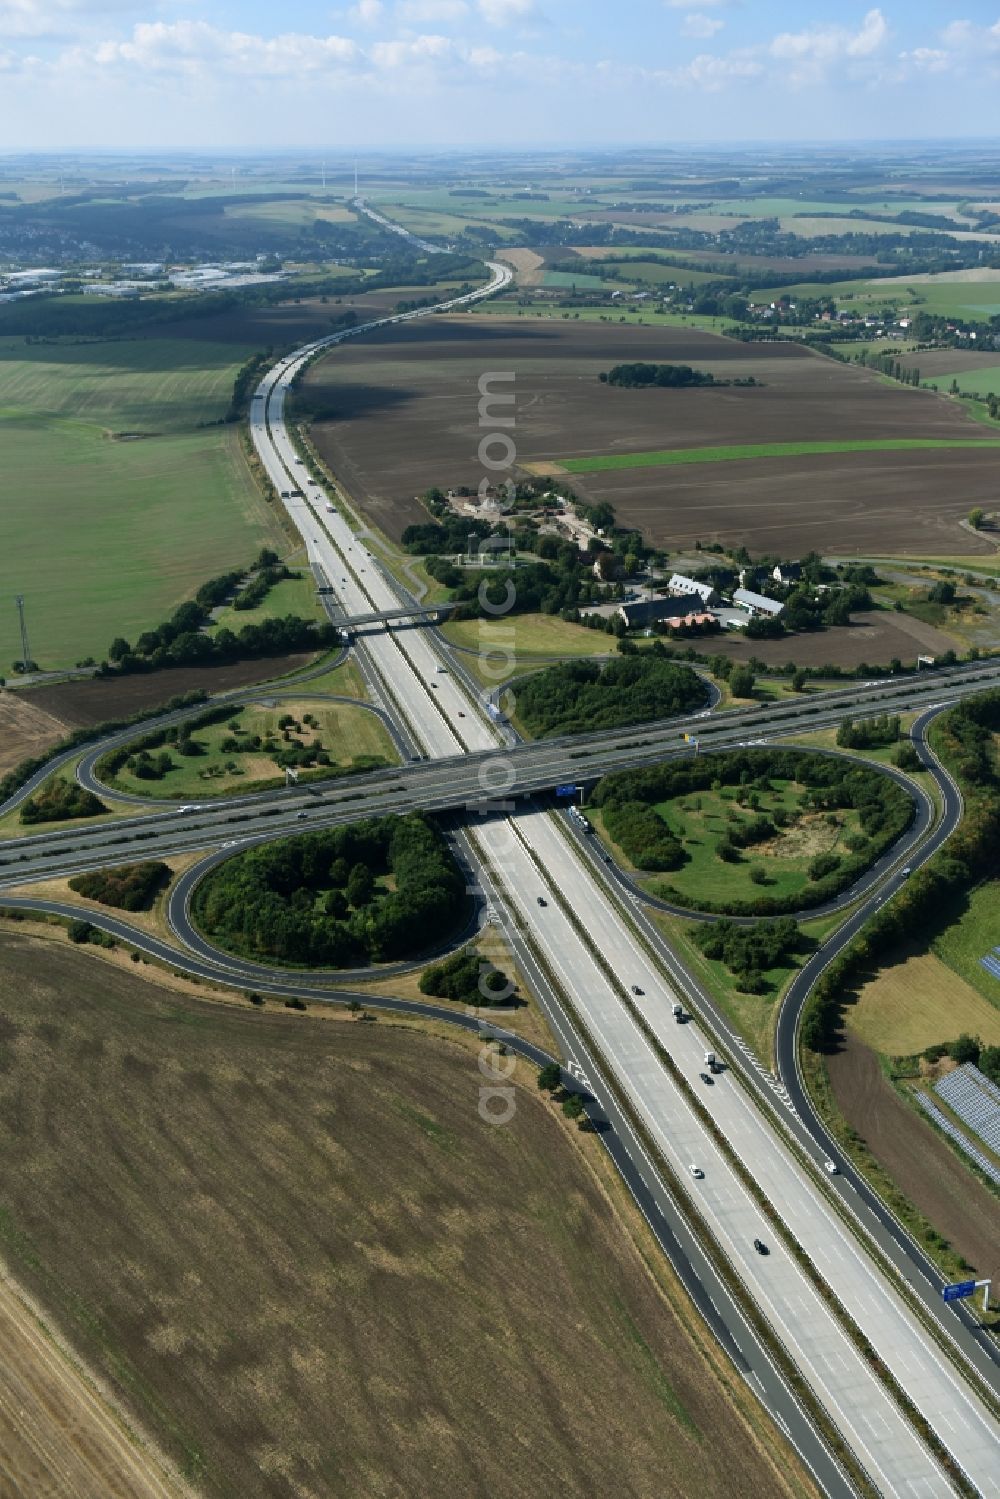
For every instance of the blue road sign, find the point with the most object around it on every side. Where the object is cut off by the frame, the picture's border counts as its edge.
(565, 791)
(959, 1290)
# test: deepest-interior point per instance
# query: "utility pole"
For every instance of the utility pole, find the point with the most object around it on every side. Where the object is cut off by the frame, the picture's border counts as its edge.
(25, 648)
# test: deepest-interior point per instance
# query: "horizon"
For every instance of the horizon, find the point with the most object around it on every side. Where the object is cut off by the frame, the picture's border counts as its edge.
(680, 70)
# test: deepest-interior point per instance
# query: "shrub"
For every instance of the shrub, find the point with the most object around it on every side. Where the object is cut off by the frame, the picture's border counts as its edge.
(60, 800)
(130, 887)
(468, 977)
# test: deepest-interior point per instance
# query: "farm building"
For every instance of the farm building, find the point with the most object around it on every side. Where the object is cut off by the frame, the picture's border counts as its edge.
(650, 611)
(679, 584)
(756, 603)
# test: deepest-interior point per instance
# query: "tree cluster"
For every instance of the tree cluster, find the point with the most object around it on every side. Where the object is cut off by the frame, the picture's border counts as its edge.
(60, 800)
(640, 375)
(749, 951)
(578, 697)
(130, 887)
(182, 640)
(869, 733)
(967, 1048)
(315, 899)
(468, 978)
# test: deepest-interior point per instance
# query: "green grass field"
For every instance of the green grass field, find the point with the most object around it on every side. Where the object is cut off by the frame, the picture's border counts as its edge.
(105, 536)
(291, 596)
(740, 451)
(345, 733)
(984, 382)
(973, 934)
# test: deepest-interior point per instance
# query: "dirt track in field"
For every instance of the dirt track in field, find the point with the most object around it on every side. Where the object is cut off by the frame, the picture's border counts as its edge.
(58, 1439)
(875, 636)
(26, 730)
(297, 1252)
(401, 413)
(920, 1163)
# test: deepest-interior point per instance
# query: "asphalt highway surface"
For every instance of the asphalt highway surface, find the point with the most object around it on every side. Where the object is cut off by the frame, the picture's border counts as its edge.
(610, 986)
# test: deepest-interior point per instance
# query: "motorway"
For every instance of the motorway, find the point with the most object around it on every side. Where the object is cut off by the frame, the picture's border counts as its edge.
(587, 948)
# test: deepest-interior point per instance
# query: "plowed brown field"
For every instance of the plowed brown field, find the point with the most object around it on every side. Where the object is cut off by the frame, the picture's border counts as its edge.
(404, 407)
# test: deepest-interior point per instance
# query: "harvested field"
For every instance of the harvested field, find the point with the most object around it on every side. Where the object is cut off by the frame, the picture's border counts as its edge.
(405, 417)
(276, 1238)
(58, 1438)
(82, 703)
(918, 1160)
(918, 1001)
(26, 729)
(875, 636)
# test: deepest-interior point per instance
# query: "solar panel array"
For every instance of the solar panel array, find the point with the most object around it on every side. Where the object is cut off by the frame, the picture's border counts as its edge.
(992, 963)
(975, 1100)
(927, 1104)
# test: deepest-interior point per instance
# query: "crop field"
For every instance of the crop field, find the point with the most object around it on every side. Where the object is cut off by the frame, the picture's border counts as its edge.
(919, 1162)
(408, 418)
(255, 1228)
(117, 502)
(918, 1001)
(670, 456)
(345, 733)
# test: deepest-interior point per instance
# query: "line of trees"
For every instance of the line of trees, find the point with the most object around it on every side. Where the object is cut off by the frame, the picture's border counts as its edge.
(182, 640)
(322, 899)
(967, 745)
(869, 733)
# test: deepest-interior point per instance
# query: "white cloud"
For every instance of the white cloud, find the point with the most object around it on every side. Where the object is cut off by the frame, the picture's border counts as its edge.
(366, 12)
(420, 49)
(431, 10)
(192, 47)
(968, 37)
(820, 46)
(700, 26)
(713, 73)
(505, 12)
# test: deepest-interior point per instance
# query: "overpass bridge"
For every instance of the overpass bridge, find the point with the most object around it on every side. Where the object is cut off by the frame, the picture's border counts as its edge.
(433, 612)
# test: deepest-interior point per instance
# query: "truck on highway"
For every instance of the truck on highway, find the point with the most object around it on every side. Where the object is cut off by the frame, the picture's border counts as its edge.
(710, 1061)
(677, 1010)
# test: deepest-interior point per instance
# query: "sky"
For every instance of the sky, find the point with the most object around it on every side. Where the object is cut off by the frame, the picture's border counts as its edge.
(148, 75)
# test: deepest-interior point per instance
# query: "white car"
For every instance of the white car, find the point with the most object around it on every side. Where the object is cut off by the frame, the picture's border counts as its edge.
(696, 1172)
(831, 1168)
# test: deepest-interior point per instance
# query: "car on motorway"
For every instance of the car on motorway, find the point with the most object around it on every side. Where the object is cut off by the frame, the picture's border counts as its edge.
(707, 1077)
(696, 1172)
(541, 900)
(760, 1246)
(905, 872)
(300, 815)
(831, 1167)
(460, 713)
(636, 990)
